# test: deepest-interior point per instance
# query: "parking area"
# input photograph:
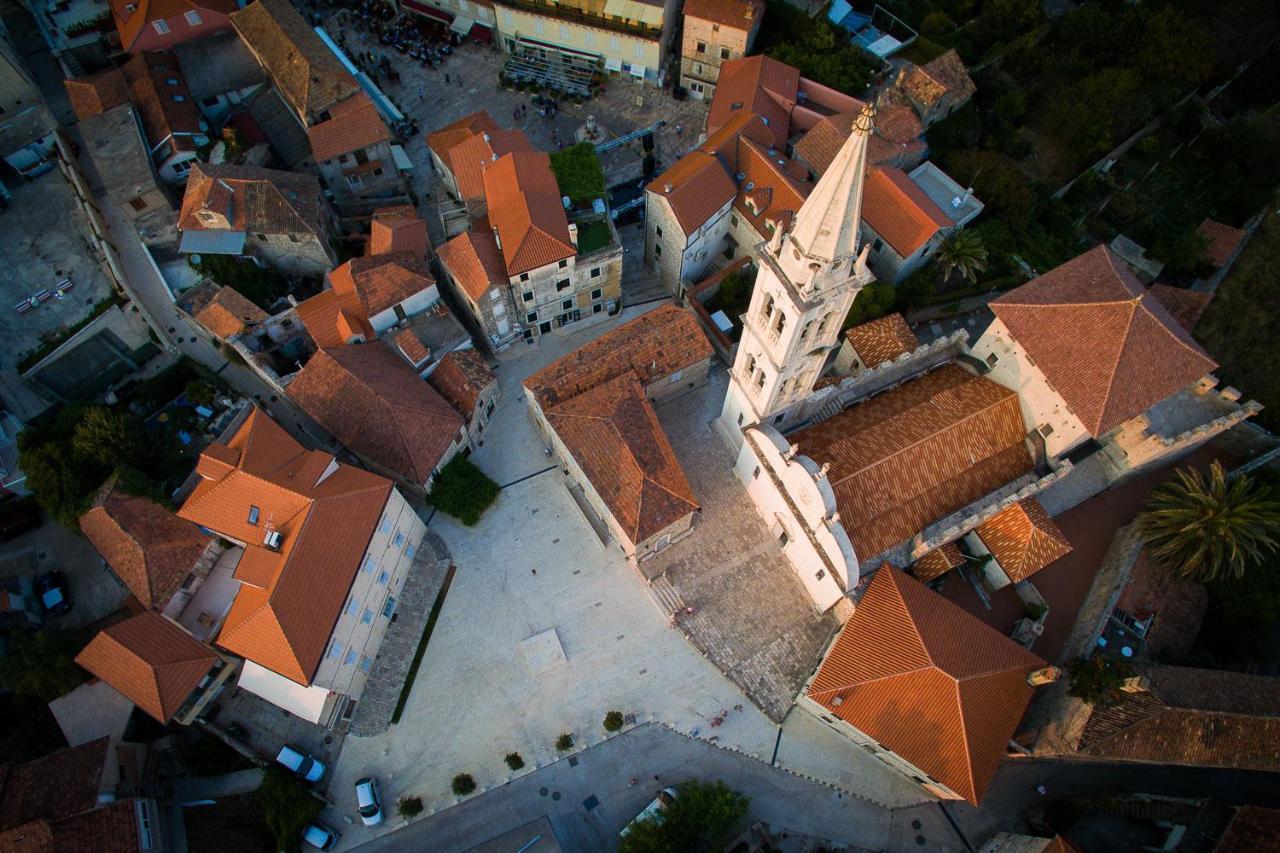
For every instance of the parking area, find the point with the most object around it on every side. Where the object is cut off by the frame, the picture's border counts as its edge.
(265, 727)
(94, 591)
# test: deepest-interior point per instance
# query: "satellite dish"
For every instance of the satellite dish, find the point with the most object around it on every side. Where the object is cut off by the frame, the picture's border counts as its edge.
(565, 201)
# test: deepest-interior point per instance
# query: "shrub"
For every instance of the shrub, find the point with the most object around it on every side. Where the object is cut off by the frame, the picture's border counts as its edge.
(1097, 680)
(702, 817)
(287, 806)
(409, 807)
(514, 761)
(463, 784)
(463, 491)
(578, 172)
(613, 721)
(564, 743)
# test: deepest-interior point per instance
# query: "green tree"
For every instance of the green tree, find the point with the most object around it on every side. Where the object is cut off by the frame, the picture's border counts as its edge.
(873, 301)
(287, 807)
(963, 253)
(109, 437)
(918, 288)
(463, 491)
(1173, 48)
(463, 784)
(702, 817)
(1206, 528)
(42, 663)
(409, 807)
(613, 721)
(1098, 679)
(60, 482)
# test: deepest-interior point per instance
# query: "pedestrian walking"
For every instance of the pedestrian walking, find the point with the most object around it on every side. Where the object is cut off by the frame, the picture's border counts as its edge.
(1041, 790)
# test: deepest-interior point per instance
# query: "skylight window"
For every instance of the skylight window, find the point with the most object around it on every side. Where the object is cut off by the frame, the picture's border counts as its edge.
(253, 514)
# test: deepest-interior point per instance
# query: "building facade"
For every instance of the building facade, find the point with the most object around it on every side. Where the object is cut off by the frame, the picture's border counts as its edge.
(715, 31)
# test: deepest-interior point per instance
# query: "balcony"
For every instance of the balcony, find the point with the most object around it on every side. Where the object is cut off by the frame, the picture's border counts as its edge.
(568, 13)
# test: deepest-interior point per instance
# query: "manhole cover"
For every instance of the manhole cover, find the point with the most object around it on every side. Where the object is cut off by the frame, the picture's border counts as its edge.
(556, 796)
(542, 791)
(590, 802)
(573, 761)
(915, 824)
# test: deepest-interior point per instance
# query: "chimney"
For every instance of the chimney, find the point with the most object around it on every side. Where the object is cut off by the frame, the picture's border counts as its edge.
(497, 239)
(751, 11)
(1136, 684)
(573, 234)
(486, 137)
(1046, 675)
(666, 188)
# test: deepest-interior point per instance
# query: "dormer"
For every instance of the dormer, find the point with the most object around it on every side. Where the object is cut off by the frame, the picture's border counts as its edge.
(218, 209)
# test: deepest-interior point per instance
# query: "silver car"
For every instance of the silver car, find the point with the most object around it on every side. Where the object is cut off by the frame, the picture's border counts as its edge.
(369, 801)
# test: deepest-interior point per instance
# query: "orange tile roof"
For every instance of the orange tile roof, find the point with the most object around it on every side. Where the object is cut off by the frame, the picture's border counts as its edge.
(144, 81)
(911, 456)
(261, 200)
(1102, 341)
(943, 75)
(1023, 539)
(760, 85)
(411, 346)
(228, 313)
(1252, 828)
(896, 133)
(899, 211)
(381, 282)
(469, 158)
(353, 124)
(131, 21)
(461, 378)
(653, 345)
(937, 563)
(739, 14)
(378, 407)
(333, 319)
(1185, 306)
(767, 193)
(473, 260)
(525, 209)
(927, 680)
(150, 661)
(1223, 240)
(464, 128)
(613, 433)
(148, 547)
(398, 229)
(109, 829)
(882, 340)
(97, 93)
(325, 512)
(53, 787)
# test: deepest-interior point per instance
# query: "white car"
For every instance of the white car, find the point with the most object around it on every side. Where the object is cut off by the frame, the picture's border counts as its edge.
(303, 765)
(369, 801)
(318, 836)
(654, 810)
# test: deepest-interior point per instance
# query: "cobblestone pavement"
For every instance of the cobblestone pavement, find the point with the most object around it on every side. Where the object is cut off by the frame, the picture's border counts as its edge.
(752, 618)
(391, 666)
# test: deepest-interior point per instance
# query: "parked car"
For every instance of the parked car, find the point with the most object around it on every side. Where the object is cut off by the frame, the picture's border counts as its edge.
(319, 836)
(303, 765)
(654, 810)
(54, 596)
(369, 801)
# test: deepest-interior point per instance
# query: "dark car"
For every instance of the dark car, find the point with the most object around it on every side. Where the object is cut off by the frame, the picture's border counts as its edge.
(54, 596)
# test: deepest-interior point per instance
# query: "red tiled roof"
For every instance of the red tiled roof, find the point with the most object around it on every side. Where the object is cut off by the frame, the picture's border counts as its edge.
(942, 75)
(381, 282)
(149, 548)
(56, 786)
(110, 829)
(469, 158)
(164, 107)
(928, 681)
(760, 85)
(1103, 343)
(464, 128)
(150, 661)
(739, 14)
(612, 431)
(937, 562)
(325, 512)
(1252, 830)
(228, 313)
(1185, 306)
(378, 407)
(1223, 240)
(774, 195)
(398, 229)
(896, 134)
(411, 346)
(909, 457)
(353, 124)
(97, 93)
(461, 378)
(654, 345)
(131, 21)
(261, 200)
(525, 209)
(1023, 539)
(899, 211)
(473, 260)
(1177, 603)
(882, 340)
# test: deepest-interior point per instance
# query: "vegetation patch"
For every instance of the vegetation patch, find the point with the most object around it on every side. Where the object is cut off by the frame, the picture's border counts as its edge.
(462, 491)
(703, 816)
(409, 807)
(1097, 680)
(41, 664)
(821, 50)
(613, 721)
(593, 235)
(262, 287)
(564, 743)
(514, 760)
(463, 784)
(579, 173)
(287, 807)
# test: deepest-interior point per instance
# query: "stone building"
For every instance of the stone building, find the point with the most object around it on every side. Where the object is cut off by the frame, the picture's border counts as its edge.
(715, 31)
(464, 379)
(934, 90)
(351, 150)
(460, 152)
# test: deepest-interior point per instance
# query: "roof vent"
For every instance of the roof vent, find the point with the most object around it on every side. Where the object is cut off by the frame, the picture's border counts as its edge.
(837, 700)
(740, 176)
(750, 185)
(272, 540)
(486, 137)
(666, 188)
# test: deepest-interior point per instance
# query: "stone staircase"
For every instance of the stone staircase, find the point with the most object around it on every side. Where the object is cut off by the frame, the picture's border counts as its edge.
(666, 595)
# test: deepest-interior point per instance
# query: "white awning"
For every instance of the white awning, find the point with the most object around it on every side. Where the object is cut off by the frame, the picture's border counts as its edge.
(612, 64)
(462, 25)
(402, 161)
(305, 702)
(638, 71)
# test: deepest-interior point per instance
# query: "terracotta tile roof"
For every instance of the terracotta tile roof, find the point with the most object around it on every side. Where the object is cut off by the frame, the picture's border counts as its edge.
(325, 512)
(398, 229)
(258, 200)
(381, 282)
(378, 407)
(473, 260)
(613, 433)
(110, 829)
(654, 345)
(333, 319)
(97, 93)
(760, 85)
(524, 207)
(882, 152)
(928, 681)
(149, 548)
(307, 74)
(882, 340)
(1185, 306)
(33, 837)
(227, 313)
(469, 158)
(411, 346)
(773, 194)
(909, 457)
(899, 211)
(353, 124)
(130, 22)
(739, 14)
(1023, 539)
(896, 135)
(144, 81)
(1252, 828)
(461, 377)
(464, 128)
(1101, 340)
(937, 563)
(1177, 604)
(1216, 690)
(820, 144)
(941, 76)
(895, 123)
(1223, 241)
(150, 661)
(54, 787)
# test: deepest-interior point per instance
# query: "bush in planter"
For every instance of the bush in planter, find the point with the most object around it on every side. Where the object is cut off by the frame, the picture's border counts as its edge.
(564, 743)
(463, 491)
(613, 721)
(514, 761)
(409, 807)
(463, 784)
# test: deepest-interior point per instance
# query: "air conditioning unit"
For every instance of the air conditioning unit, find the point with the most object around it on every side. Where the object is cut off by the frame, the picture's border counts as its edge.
(272, 540)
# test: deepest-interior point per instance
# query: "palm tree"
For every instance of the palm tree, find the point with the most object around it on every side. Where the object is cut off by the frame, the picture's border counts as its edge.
(1208, 528)
(962, 253)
